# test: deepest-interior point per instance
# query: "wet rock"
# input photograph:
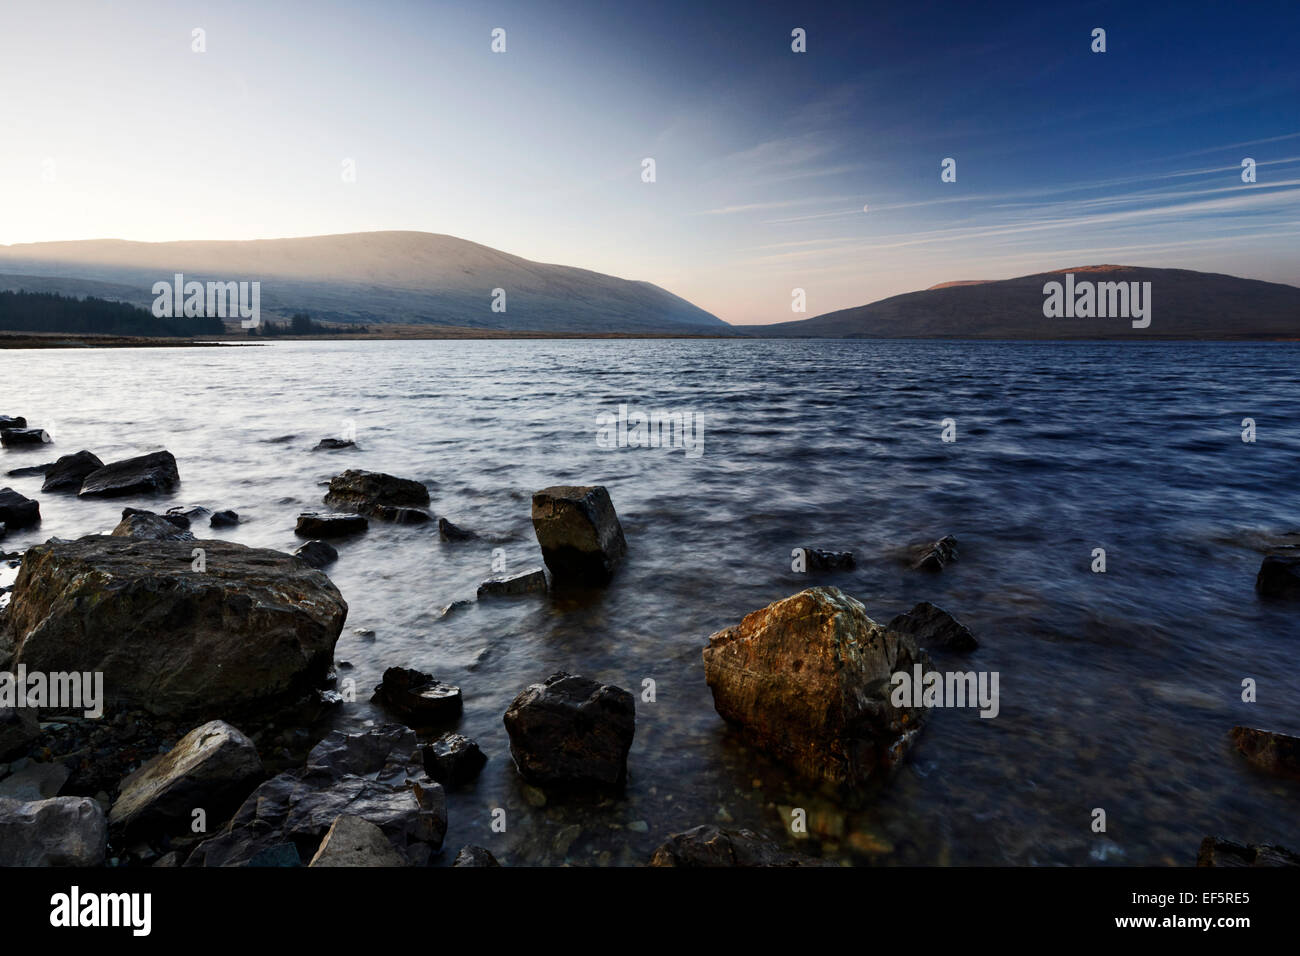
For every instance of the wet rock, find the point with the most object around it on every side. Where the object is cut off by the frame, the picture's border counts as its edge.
(256, 626)
(937, 556)
(471, 855)
(63, 831)
(453, 759)
(145, 474)
(189, 514)
(713, 846)
(579, 532)
(572, 732)
(18, 511)
(338, 754)
(29, 470)
(807, 680)
(70, 471)
(934, 628)
(317, 553)
(35, 781)
(334, 444)
(1268, 750)
(214, 767)
(532, 581)
(1279, 576)
(224, 519)
(144, 525)
(330, 525)
(450, 532)
(417, 697)
(399, 515)
(19, 729)
(1219, 852)
(24, 436)
(378, 495)
(12, 421)
(353, 841)
(181, 521)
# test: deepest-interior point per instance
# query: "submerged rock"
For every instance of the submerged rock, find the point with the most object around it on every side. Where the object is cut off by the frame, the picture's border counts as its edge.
(18, 511)
(224, 519)
(180, 520)
(317, 553)
(713, 846)
(189, 514)
(532, 581)
(29, 471)
(214, 767)
(1279, 576)
(453, 759)
(933, 627)
(417, 696)
(1218, 852)
(68, 473)
(807, 680)
(378, 495)
(937, 556)
(471, 855)
(255, 626)
(145, 474)
(450, 532)
(24, 436)
(325, 525)
(1268, 750)
(334, 444)
(145, 525)
(63, 831)
(580, 534)
(354, 841)
(572, 732)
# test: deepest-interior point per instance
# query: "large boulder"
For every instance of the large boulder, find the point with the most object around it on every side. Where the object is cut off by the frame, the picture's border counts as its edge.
(213, 767)
(572, 732)
(378, 495)
(18, 511)
(256, 625)
(145, 474)
(579, 531)
(68, 473)
(713, 846)
(353, 841)
(1279, 576)
(62, 831)
(807, 680)
(933, 627)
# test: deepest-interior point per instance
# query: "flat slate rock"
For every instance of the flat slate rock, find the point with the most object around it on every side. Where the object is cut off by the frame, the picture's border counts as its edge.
(315, 524)
(144, 474)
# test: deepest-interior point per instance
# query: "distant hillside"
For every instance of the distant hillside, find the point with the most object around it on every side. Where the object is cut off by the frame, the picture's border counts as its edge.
(368, 278)
(1184, 304)
(49, 312)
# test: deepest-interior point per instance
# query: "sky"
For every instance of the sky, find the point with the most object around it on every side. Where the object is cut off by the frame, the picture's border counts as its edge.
(774, 170)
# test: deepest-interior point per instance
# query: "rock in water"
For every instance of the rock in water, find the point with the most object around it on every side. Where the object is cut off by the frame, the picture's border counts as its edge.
(377, 495)
(933, 627)
(224, 519)
(712, 846)
(62, 831)
(24, 436)
(819, 560)
(418, 697)
(450, 532)
(146, 474)
(256, 625)
(213, 766)
(18, 511)
(70, 471)
(315, 525)
(1279, 576)
(1218, 852)
(807, 680)
(383, 749)
(453, 759)
(143, 525)
(578, 529)
(352, 841)
(937, 556)
(317, 553)
(334, 444)
(1270, 751)
(572, 732)
(532, 581)
(12, 421)
(471, 855)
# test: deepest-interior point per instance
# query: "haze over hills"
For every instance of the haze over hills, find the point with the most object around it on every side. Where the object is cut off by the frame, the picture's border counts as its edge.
(1184, 304)
(368, 278)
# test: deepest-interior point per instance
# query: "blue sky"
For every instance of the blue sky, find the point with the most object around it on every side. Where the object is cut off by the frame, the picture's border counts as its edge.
(765, 159)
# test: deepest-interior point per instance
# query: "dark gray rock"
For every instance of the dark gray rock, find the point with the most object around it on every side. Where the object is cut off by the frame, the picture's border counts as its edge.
(143, 525)
(224, 519)
(19, 729)
(180, 520)
(934, 628)
(417, 697)
(330, 525)
(68, 473)
(338, 754)
(713, 846)
(399, 515)
(471, 855)
(1279, 576)
(12, 421)
(18, 511)
(145, 474)
(1219, 852)
(353, 841)
(377, 495)
(10, 437)
(317, 553)
(532, 581)
(937, 556)
(453, 759)
(580, 534)
(334, 444)
(450, 532)
(63, 831)
(29, 471)
(189, 514)
(572, 732)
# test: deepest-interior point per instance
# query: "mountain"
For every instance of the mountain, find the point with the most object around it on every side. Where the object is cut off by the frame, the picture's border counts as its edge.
(1183, 304)
(368, 277)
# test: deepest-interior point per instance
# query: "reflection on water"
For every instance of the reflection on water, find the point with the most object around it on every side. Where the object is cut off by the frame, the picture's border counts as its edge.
(1117, 689)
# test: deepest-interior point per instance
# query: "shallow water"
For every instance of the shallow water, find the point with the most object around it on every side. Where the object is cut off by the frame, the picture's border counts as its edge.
(1117, 689)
